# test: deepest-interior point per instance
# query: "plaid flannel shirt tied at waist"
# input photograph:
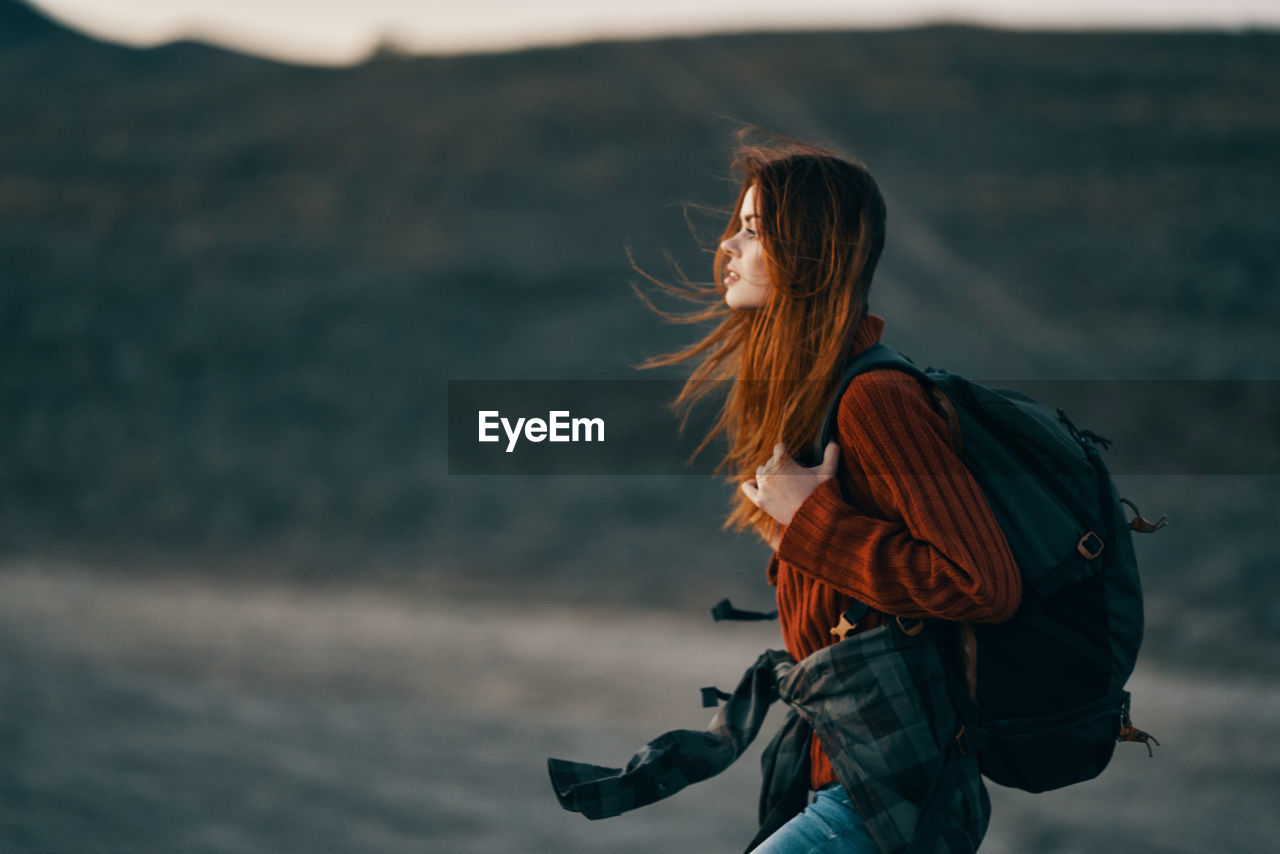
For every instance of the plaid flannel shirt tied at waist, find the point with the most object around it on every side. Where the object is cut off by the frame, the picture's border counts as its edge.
(878, 703)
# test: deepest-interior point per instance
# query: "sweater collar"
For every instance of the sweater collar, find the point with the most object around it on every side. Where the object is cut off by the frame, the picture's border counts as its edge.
(868, 333)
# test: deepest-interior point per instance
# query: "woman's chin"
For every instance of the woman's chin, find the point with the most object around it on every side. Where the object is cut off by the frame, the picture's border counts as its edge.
(736, 298)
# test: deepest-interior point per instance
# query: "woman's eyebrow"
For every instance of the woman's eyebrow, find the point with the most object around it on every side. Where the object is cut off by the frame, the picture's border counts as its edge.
(750, 217)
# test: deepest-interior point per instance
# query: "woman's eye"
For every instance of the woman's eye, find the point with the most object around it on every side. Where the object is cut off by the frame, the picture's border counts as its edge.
(751, 232)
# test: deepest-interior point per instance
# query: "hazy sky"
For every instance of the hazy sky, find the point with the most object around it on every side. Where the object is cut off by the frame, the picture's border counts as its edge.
(345, 31)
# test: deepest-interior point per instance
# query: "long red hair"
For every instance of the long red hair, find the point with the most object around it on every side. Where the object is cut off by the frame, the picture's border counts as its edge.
(821, 226)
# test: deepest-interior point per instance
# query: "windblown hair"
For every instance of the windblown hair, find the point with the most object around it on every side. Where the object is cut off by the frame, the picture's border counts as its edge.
(821, 227)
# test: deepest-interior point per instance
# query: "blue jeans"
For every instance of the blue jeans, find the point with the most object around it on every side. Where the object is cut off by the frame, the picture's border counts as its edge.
(828, 825)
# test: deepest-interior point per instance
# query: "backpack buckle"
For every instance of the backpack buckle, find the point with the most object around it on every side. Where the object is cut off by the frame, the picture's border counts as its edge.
(850, 620)
(1090, 545)
(844, 629)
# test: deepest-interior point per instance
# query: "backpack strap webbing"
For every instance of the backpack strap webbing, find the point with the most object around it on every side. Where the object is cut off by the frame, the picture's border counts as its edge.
(724, 610)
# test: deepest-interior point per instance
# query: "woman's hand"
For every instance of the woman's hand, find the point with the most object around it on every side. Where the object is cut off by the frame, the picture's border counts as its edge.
(781, 485)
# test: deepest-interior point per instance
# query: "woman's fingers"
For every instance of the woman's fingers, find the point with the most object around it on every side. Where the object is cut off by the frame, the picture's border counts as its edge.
(781, 497)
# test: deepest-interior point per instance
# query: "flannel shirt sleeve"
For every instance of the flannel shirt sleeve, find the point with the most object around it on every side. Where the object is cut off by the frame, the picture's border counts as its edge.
(942, 553)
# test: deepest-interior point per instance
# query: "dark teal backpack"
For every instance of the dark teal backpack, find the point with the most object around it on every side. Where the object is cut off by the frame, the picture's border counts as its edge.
(1050, 702)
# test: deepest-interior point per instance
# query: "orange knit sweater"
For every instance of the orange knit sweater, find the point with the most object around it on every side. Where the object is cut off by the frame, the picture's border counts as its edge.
(903, 527)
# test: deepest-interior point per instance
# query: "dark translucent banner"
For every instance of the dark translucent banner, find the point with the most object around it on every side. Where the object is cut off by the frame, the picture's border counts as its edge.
(622, 427)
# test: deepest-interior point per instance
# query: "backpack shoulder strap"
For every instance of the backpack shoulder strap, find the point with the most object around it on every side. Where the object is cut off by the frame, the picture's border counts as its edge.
(875, 357)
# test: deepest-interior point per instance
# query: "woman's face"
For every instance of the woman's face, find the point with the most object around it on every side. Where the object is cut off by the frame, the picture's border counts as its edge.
(746, 280)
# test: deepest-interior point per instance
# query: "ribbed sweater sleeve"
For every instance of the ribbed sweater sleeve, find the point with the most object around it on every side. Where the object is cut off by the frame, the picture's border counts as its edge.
(930, 546)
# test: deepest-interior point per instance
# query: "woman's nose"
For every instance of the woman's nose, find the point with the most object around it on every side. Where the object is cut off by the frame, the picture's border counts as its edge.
(729, 246)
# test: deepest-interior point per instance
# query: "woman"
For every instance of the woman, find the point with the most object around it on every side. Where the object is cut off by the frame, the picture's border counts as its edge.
(793, 269)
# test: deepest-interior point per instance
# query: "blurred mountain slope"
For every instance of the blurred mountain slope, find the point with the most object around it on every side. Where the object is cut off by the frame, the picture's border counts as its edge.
(232, 292)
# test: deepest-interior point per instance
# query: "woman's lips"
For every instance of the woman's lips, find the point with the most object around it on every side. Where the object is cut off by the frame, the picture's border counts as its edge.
(730, 277)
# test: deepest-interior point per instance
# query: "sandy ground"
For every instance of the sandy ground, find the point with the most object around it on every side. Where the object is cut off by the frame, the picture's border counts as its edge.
(187, 714)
